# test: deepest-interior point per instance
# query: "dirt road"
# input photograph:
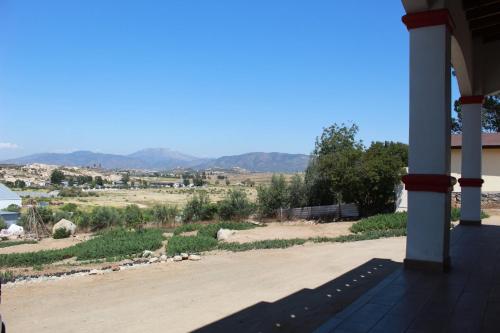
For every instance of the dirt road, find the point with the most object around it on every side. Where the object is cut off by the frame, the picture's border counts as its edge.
(179, 297)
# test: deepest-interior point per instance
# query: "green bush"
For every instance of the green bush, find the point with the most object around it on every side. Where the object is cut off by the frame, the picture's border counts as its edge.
(104, 217)
(14, 243)
(381, 222)
(210, 230)
(272, 197)
(199, 208)
(3, 225)
(13, 208)
(264, 244)
(164, 214)
(69, 207)
(113, 244)
(235, 206)
(132, 216)
(190, 244)
(61, 233)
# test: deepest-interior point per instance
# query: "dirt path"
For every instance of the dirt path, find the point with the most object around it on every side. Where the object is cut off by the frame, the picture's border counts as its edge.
(179, 297)
(45, 244)
(288, 230)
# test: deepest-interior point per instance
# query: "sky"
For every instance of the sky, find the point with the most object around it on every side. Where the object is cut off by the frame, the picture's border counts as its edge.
(207, 78)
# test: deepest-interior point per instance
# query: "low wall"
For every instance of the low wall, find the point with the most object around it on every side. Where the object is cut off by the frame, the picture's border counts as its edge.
(488, 199)
(318, 212)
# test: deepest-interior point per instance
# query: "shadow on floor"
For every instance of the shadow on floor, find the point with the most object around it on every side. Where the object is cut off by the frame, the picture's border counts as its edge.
(306, 309)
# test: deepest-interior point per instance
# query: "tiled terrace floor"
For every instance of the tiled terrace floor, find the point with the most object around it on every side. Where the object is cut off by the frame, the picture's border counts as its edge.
(465, 300)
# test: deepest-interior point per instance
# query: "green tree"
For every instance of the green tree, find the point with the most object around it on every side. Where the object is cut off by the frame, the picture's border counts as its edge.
(186, 181)
(297, 194)
(99, 181)
(57, 177)
(13, 208)
(125, 178)
(20, 184)
(490, 115)
(272, 197)
(333, 170)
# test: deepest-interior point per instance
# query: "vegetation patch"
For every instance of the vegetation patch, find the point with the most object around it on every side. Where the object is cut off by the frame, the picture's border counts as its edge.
(61, 233)
(264, 244)
(14, 243)
(110, 245)
(380, 222)
(455, 214)
(190, 244)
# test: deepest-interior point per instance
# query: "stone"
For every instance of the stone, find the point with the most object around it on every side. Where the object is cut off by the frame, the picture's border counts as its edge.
(194, 257)
(224, 234)
(93, 272)
(184, 256)
(147, 254)
(141, 260)
(127, 262)
(65, 224)
(177, 258)
(153, 260)
(163, 257)
(168, 234)
(115, 268)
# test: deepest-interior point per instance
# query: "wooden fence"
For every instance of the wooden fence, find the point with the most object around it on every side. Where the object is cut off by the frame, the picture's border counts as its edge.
(318, 212)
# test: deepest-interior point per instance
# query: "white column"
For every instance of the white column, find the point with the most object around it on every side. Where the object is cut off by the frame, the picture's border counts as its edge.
(471, 160)
(429, 182)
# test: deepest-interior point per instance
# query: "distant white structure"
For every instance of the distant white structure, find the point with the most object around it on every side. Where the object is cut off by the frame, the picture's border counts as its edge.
(401, 199)
(8, 197)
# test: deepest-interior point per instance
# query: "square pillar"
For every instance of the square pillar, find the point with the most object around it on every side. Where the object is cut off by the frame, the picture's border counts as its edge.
(471, 182)
(428, 182)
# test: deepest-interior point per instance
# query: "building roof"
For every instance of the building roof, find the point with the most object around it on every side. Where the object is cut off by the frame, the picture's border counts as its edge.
(7, 194)
(490, 140)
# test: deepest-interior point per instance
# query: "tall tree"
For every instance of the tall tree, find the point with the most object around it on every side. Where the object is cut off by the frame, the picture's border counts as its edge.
(490, 116)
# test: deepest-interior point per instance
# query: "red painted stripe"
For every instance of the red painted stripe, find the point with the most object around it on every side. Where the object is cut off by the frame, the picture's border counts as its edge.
(428, 19)
(471, 182)
(429, 183)
(472, 99)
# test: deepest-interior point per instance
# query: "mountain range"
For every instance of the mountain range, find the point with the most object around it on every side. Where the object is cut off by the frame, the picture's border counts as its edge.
(166, 159)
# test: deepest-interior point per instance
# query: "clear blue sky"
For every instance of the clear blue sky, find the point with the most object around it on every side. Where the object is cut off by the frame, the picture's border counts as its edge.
(207, 78)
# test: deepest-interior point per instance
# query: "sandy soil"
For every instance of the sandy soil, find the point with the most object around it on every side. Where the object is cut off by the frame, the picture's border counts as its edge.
(179, 297)
(46, 244)
(288, 230)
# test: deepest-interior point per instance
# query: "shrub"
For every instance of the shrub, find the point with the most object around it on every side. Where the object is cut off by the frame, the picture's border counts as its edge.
(69, 207)
(164, 214)
(272, 197)
(132, 215)
(190, 244)
(61, 233)
(13, 208)
(235, 206)
(381, 222)
(199, 208)
(15, 243)
(3, 225)
(103, 217)
(109, 245)
(455, 214)
(210, 230)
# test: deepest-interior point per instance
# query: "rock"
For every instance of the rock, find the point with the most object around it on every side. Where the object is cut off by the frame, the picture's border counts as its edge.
(184, 256)
(106, 267)
(168, 234)
(153, 260)
(194, 257)
(177, 258)
(127, 262)
(224, 234)
(115, 268)
(141, 260)
(65, 224)
(170, 260)
(147, 254)
(93, 272)
(163, 257)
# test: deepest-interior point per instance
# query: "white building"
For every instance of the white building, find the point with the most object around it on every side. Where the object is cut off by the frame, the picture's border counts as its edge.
(8, 197)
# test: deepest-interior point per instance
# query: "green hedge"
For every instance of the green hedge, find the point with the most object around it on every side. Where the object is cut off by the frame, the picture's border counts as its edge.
(380, 222)
(108, 245)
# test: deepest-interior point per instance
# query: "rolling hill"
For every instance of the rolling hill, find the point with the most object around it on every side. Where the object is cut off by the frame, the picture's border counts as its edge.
(165, 159)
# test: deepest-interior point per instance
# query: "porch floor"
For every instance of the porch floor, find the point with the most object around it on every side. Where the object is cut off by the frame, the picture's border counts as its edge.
(467, 299)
